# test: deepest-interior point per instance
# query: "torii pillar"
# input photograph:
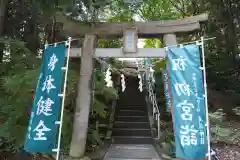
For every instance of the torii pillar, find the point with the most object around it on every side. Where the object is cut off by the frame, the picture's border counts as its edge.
(168, 29)
(83, 100)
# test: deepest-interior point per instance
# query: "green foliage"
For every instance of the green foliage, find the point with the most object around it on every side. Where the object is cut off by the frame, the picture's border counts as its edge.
(100, 109)
(19, 71)
(155, 43)
(159, 64)
(167, 139)
(93, 137)
(17, 103)
(18, 78)
(217, 116)
(21, 43)
(158, 10)
(100, 89)
(221, 132)
(16, 57)
(66, 130)
(152, 43)
(18, 100)
(110, 43)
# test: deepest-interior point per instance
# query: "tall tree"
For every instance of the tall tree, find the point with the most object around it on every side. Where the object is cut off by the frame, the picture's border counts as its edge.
(3, 14)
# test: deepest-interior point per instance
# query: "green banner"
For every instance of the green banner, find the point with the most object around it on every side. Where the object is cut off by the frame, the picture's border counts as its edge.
(42, 130)
(188, 101)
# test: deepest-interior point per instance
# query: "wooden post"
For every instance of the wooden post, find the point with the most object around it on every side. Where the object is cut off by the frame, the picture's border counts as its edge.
(83, 101)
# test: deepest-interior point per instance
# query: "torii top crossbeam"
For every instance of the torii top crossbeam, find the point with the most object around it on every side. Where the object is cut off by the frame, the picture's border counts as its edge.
(150, 29)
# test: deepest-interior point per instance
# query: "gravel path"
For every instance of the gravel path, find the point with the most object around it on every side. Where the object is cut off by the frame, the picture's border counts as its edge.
(228, 153)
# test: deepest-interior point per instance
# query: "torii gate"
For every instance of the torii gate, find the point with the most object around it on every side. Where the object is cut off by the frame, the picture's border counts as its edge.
(168, 30)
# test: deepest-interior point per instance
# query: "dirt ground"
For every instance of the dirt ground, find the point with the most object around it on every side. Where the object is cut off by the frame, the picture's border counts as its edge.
(231, 149)
(227, 147)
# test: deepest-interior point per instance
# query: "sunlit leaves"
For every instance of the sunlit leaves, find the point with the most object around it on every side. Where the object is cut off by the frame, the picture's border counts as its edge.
(152, 43)
(155, 10)
(110, 43)
(160, 64)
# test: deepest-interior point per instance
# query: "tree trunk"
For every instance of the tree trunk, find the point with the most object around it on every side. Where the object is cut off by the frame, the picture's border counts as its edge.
(33, 40)
(3, 10)
(83, 101)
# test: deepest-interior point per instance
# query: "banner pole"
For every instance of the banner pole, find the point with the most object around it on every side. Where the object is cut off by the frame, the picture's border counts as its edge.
(63, 97)
(206, 100)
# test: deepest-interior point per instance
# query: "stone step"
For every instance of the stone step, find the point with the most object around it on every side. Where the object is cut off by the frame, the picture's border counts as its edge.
(133, 159)
(140, 132)
(130, 112)
(132, 118)
(132, 152)
(119, 124)
(131, 140)
(126, 102)
(132, 108)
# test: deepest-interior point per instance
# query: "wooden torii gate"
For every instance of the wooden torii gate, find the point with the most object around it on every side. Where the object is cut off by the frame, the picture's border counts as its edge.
(168, 30)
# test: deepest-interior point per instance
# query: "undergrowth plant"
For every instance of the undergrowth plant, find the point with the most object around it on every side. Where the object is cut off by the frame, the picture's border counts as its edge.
(17, 96)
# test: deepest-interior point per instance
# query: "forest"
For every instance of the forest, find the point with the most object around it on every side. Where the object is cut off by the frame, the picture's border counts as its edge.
(26, 25)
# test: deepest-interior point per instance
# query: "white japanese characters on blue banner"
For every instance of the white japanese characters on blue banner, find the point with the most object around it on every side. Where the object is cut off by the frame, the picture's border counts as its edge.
(42, 130)
(189, 113)
(166, 88)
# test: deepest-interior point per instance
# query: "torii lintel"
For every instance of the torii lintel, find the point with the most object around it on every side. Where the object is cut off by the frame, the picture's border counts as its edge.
(148, 29)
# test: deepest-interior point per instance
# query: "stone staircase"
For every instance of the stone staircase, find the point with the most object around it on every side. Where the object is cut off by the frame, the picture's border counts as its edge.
(131, 124)
(131, 133)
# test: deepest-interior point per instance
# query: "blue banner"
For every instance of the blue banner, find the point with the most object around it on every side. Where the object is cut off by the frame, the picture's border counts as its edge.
(188, 102)
(166, 88)
(42, 130)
